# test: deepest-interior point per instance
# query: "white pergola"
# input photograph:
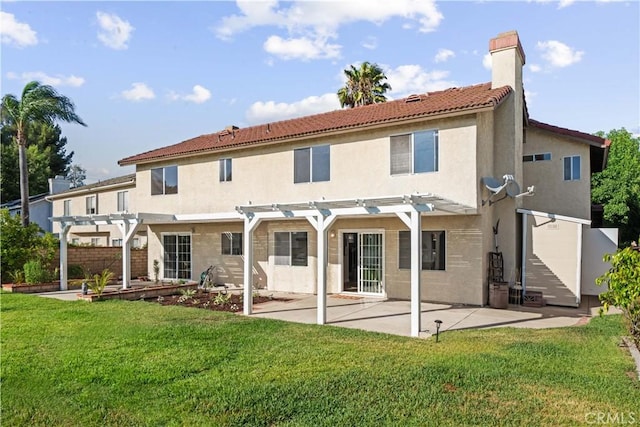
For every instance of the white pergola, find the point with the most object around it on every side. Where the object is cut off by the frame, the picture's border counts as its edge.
(322, 214)
(128, 224)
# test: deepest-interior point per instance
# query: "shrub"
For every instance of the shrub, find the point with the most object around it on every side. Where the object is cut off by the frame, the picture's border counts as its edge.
(20, 244)
(623, 279)
(75, 271)
(98, 282)
(35, 272)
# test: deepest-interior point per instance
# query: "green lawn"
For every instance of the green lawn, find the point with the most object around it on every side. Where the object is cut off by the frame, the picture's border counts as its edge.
(135, 363)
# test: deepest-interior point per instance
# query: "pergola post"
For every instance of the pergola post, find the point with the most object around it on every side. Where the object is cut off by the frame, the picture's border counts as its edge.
(127, 234)
(321, 225)
(416, 269)
(64, 237)
(250, 223)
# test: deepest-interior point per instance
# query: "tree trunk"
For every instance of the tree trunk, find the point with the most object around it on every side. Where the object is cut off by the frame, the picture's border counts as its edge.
(24, 178)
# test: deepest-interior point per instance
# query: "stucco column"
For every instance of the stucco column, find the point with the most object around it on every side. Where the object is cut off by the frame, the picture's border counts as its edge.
(64, 235)
(416, 269)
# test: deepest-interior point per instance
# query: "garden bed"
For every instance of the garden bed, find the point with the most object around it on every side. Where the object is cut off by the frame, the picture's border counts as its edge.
(139, 293)
(31, 288)
(214, 300)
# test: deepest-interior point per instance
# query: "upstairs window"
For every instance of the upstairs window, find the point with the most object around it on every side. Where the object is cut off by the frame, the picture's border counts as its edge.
(312, 164)
(123, 201)
(536, 157)
(290, 248)
(231, 243)
(92, 205)
(414, 152)
(164, 180)
(67, 208)
(572, 168)
(433, 250)
(225, 170)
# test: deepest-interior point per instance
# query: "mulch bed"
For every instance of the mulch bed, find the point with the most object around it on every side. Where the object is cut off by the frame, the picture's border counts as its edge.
(212, 300)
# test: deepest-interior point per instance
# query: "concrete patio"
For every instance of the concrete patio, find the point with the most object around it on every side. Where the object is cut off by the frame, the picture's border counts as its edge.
(393, 316)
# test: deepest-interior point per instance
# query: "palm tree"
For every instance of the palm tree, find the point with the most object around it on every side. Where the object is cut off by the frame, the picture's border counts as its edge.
(39, 104)
(364, 86)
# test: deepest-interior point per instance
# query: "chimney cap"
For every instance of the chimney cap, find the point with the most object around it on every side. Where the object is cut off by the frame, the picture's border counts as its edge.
(507, 40)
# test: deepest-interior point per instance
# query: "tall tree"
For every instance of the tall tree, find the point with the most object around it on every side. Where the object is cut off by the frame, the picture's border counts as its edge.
(39, 104)
(365, 85)
(617, 187)
(76, 175)
(44, 138)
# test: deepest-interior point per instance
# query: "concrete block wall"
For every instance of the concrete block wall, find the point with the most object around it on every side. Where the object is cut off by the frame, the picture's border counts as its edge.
(97, 258)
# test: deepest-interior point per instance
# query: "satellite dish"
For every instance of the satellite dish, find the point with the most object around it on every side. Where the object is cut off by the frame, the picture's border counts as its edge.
(513, 189)
(492, 184)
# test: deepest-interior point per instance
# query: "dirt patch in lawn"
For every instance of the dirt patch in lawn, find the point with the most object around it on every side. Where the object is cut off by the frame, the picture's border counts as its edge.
(216, 301)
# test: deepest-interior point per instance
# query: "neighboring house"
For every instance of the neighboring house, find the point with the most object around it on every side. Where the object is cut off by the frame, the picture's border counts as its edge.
(392, 199)
(93, 201)
(40, 208)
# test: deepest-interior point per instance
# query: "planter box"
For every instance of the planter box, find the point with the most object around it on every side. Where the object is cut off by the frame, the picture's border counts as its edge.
(137, 293)
(28, 288)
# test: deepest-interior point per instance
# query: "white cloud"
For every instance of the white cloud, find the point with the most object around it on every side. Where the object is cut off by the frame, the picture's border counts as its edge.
(487, 62)
(318, 22)
(444, 55)
(138, 92)
(558, 54)
(16, 33)
(199, 95)
(409, 79)
(116, 32)
(535, 68)
(301, 48)
(57, 80)
(370, 43)
(565, 3)
(270, 111)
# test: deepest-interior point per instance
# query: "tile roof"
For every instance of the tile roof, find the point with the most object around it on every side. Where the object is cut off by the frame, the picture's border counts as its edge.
(97, 185)
(586, 137)
(451, 100)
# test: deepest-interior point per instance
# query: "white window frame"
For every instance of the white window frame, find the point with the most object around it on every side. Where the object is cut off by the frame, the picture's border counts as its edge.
(91, 204)
(311, 156)
(287, 260)
(164, 180)
(164, 261)
(537, 157)
(226, 169)
(574, 174)
(422, 260)
(235, 243)
(436, 160)
(95, 241)
(67, 207)
(122, 201)
(116, 242)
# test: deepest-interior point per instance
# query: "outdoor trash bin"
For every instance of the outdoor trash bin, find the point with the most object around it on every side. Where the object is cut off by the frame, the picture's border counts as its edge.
(499, 295)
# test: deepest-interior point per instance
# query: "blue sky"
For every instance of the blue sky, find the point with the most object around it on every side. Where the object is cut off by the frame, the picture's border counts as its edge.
(148, 74)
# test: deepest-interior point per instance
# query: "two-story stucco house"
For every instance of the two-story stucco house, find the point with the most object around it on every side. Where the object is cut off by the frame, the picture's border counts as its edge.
(97, 201)
(391, 199)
